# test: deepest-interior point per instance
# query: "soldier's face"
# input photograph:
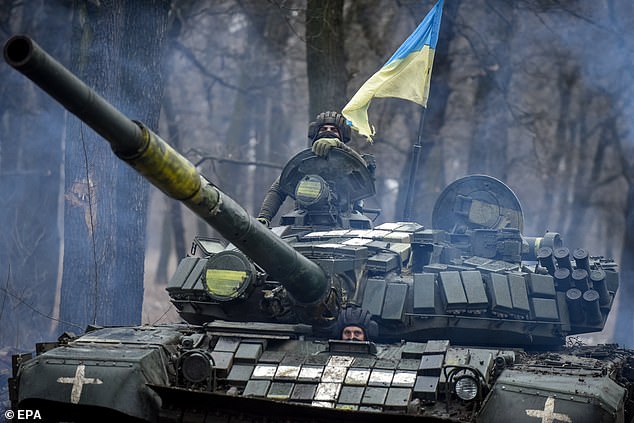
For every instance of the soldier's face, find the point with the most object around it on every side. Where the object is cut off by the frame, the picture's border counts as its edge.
(353, 333)
(329, 128)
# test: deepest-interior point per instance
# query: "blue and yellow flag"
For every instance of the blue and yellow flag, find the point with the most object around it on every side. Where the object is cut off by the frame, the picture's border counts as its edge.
(406, 75)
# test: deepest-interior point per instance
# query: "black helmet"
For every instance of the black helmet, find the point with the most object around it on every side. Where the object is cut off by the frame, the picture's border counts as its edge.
(329, 118)
(356, 316)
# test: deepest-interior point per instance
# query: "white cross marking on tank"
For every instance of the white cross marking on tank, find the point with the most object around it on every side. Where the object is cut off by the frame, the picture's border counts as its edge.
(548, 414)
(78, 383)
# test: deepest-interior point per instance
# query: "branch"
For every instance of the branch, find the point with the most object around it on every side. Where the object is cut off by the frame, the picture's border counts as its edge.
(21, 301)
(6, 287)
(203, 69)
(287, 20)
(187, 52)
(204, 157)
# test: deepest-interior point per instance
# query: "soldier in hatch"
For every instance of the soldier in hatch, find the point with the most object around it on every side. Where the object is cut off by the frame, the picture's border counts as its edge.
(329, 130)
(356, 324)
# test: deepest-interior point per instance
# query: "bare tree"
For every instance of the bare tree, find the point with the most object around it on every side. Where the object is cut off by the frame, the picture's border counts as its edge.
(116, 49)
(325, 56)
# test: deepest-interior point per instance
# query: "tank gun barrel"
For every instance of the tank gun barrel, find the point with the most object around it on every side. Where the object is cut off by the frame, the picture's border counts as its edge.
(169, 171)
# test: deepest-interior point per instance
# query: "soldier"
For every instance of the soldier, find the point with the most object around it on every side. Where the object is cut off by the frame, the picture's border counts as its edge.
(329, 130)
(356, 324)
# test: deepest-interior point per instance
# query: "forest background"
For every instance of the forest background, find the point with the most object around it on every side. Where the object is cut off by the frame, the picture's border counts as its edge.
(536, 93)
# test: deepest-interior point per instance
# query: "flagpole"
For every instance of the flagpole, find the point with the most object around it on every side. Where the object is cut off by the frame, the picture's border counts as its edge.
(413, 169)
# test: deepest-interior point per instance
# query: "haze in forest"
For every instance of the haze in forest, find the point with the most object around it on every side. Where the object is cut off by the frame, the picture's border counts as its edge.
(537, 94)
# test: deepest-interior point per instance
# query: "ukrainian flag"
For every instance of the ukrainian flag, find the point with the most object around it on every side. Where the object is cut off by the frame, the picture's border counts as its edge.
(406, 75)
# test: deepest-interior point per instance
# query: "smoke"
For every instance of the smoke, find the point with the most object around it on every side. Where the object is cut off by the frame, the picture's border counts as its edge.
(535, 60)
(593, 41)
(31, 126)
(562, 78)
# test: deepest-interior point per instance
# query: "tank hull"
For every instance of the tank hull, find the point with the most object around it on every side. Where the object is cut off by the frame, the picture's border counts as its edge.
(134, 373)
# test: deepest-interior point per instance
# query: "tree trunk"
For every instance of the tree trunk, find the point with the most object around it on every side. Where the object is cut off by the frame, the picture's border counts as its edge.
(116, 49)
(325, 62)
(487, 152)
(173, 241)
(273, 126)
(624, 328)
(174, 230)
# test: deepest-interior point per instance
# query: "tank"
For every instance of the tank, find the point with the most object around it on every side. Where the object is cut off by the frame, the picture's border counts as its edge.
(474, 321)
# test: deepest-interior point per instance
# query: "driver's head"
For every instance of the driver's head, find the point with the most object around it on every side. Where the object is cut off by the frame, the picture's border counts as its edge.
(356, 324)
(353, 333)
(329, 125)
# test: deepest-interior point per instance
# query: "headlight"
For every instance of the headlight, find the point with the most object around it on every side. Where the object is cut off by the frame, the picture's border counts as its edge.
(196, 367)
(228, 275)
(466, 388)
(312, 190)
